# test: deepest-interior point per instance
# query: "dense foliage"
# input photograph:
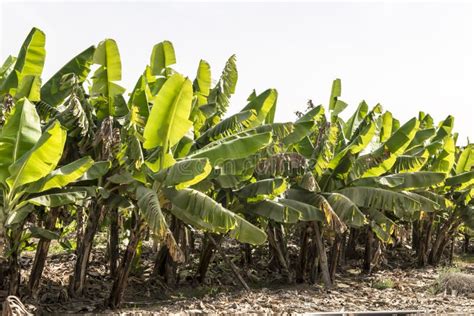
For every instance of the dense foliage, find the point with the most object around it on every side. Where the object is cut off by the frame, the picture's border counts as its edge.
(78, 155)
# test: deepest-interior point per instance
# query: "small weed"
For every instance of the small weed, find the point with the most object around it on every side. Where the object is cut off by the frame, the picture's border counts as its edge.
(200, 291)
(447, 270)
(383, 284)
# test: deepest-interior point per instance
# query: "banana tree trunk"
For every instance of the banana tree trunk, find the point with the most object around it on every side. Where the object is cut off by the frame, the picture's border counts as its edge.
(451, 252)
(465, 247)
(425, 241)
(314, 268)
(441, 240)
(415, 235)
(3, 255)
(84, 250)
(42, 253)
(368, 250)
(323, 260)
(80, 227)
(302, 261)
(449, 239)
(206, 258)
(165, 266)
(114, 242)
(232, 266)
(313, 259)
(14, 264)
(158, 269)
(279, 256)
(192, 240)
(3, 273)
(246, 255)
(342, 250)
(351, 245)
(282, 244)
(335, 251)
(123, 270)
(186, 241)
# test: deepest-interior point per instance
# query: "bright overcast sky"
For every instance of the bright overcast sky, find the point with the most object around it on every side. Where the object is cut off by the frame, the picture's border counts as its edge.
(407, 56)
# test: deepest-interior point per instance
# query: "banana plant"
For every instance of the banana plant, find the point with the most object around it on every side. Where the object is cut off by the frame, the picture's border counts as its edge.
(23, 79)
(455, 194)
(159, 171)
(349, 171)
(29, 179)
(96, 119)
(433, 150)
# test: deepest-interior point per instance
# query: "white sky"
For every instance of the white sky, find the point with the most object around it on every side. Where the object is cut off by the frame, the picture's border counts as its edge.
(407, 56)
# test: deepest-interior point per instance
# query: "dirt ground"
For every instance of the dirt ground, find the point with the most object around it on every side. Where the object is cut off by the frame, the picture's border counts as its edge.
(396, 285)
(412, 290)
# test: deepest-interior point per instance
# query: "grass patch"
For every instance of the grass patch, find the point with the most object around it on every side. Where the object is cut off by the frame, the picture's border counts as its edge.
(464, 259)
(199, 291)
(447, 270)
(455, 283)
(383, 284)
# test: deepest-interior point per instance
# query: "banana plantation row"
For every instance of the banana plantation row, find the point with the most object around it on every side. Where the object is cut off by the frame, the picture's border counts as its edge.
(79, 156)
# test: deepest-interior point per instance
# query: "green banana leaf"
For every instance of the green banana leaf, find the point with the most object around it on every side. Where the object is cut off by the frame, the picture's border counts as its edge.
(381, 225)
(57, 199)
(407, 163)
(51, 91)
(317, 201)
(241, 147)
(436, 198)
(162, 56)
(233, 124)
(382, 160)
(355, 119)
(202, 83)
(223, 90)
(300, 131)
(149, 205)
(168, 121)
(263, 104)
(184, 173)
(346, 210)
(195, 207)
(403, 181)
(262, 189)
(426, 204)
(466, 159)
(444, 129)
(21, 132)
(96, 171)
(7, 68)
(275, 211)
(361, 139)
(324, 152)
(40, 160)
(39, 232)
(336, 106)
(106, 93)
(24, 80)
(62, 177)
(381, 199)
(386, 126)
(421, 136)
(306, 212)
(461, 181)
(444, 161)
